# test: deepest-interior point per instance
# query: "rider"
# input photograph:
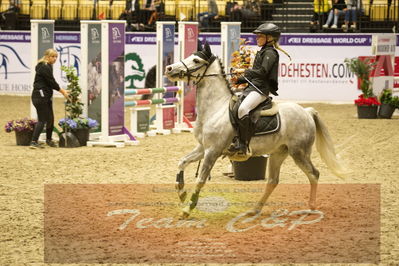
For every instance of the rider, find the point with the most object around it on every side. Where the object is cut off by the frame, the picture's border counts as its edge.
(262, 80)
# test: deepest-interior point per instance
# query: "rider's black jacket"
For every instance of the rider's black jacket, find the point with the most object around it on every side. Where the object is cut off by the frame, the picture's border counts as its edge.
(264, 73)
(44, 83)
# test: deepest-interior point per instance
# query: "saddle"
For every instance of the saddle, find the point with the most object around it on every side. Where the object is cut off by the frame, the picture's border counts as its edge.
(265, 118)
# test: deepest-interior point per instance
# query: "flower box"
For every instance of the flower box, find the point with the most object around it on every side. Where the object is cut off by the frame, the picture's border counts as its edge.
(23, 130)
(24, 137)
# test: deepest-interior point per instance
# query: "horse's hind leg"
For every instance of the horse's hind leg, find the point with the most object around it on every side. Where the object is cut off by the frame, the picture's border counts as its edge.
(193, 156)
(302, 159)
(275, 161)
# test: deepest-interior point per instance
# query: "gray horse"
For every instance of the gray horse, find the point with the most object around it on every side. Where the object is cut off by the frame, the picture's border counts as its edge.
(214, 131)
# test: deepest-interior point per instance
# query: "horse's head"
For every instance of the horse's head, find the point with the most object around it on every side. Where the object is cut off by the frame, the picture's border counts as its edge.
(193, 67)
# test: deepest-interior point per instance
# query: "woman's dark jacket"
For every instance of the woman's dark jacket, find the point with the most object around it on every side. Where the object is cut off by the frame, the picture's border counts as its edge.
(44, 81)
(264, 73)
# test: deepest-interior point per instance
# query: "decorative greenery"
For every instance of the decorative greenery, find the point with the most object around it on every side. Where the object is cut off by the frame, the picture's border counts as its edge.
(74, 107)
(395, 101)
(362, 69)
(20, 125)
(386, 97)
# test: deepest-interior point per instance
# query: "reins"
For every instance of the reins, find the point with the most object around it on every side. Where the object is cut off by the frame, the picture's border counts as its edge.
(188, 72)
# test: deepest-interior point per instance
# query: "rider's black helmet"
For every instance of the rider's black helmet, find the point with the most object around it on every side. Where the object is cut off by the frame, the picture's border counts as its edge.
(269, 29)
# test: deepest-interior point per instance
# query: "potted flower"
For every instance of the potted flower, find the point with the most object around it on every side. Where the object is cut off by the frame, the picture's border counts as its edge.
(388, 104)
(79, 126)
(23, 129)
(74, 122)
(367, 103)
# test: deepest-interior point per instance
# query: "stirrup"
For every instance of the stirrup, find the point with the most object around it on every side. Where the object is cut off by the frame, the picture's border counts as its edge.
(238, 147)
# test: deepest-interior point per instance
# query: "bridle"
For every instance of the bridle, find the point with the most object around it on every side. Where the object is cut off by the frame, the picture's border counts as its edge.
(189, 72)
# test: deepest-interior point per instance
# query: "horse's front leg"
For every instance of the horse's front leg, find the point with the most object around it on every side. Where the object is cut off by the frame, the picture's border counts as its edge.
(194, 155)
(211, 156)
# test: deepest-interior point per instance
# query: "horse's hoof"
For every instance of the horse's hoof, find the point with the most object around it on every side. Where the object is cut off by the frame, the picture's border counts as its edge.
(184, 215)
(182, 196)
(253, 212)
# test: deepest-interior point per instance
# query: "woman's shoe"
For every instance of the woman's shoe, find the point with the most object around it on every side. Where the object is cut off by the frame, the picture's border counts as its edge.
(51, 143)
(35, 145)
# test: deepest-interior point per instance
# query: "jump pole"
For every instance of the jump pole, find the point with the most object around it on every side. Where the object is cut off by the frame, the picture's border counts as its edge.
(41, 39)
(113, 131)
(139, 119)
(90, 42)
(383, 48)
(187, 44)
(165, 37)
(230, 41)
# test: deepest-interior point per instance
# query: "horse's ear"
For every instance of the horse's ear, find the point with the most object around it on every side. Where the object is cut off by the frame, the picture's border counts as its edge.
(199, 48)
(207, 49)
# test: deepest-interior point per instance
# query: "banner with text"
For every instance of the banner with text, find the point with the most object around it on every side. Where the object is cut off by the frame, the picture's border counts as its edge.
(317, 71)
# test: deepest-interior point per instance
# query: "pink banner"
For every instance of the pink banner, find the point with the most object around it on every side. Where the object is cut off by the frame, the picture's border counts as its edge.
(191, 45)
(168, 117)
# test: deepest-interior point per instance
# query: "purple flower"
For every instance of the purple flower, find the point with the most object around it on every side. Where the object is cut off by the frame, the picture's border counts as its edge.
(92, 123)
(20, 125)
(77, 123)
(72, 124)
(67, 123)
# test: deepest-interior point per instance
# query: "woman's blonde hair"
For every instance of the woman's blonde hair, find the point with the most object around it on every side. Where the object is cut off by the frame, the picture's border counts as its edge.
(277, 46)
(47, 53)
(274, 41)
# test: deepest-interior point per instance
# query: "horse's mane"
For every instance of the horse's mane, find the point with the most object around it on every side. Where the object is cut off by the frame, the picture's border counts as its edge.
(225, 76)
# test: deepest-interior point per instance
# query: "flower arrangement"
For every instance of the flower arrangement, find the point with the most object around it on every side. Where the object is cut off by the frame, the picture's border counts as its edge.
(362, 69)
(76, 123)
(74, 107)
(241, 59)
(370, 101)
(24, 124)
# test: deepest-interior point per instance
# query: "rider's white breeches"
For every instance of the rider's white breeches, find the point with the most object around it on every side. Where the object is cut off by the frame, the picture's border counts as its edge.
(250, 102)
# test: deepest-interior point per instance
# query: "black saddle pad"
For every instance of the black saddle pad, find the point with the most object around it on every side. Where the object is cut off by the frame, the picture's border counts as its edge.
(267, 125)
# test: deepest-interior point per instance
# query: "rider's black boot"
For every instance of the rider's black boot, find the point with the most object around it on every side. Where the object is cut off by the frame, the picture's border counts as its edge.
(240, 144)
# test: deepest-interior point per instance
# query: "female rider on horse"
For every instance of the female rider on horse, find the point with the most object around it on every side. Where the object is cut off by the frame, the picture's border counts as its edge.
(262, 80)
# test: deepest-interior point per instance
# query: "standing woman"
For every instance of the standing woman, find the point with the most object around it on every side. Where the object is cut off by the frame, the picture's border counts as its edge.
(42, 97)
(262, 79)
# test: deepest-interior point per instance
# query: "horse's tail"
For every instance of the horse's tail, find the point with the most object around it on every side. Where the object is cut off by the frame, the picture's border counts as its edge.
(325, 145)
